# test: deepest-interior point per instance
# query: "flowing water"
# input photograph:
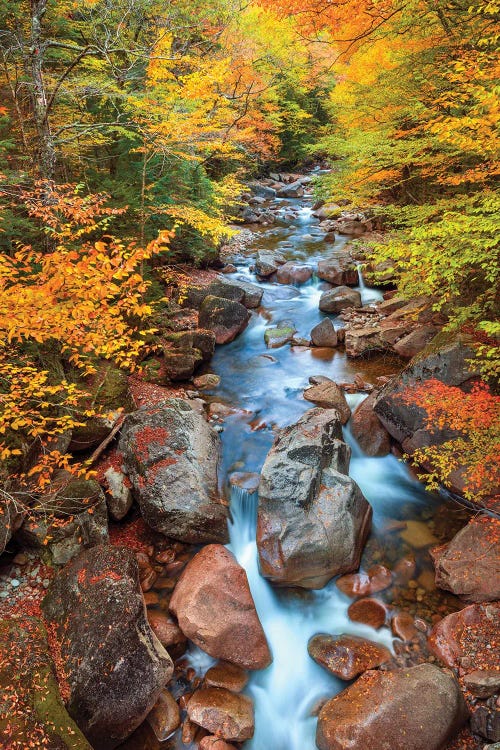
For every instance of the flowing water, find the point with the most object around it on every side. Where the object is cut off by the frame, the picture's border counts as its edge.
(265, 387)
(268, 384)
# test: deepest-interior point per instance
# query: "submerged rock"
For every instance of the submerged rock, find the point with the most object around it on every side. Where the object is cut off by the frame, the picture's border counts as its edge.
(215, 609)
(416, 709)
(313, 519)
(171, 456)
(376, 579)
(347, 656)
(115, 666)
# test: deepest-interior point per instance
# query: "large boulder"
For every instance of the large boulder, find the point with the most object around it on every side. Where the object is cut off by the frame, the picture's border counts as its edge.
(459, 639)
(293, 273)
(445, 359)
(226, 318)
(32, 714)
(347, 656)
(171, 456)
(324, 334)
(339, 270)
(419, 708)
(362, 342)
(413, 343)
(263, 191)
(267, 263)
(227, 714)
(248, 294)
(115, 668)
(313, 519)
(11, 518)
(469, 565)
(338, 299)
(293, 190)
(368, 431)
(78, 520)
(215, 609)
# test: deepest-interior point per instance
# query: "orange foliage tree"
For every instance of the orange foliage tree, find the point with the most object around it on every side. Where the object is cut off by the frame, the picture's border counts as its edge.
(77, 304)
(475, 451)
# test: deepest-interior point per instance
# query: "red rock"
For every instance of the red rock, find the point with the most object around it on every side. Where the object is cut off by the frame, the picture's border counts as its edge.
(419, 708)
(165, 717)
(403, 626)
(215, 743)
(483, 682)
(293, 273)
(460, 639)
(376, 579)
(226, 714)
(215, 609)
(226, 675)
(368, 431)
(368, 611)
(165, 629)
(346, 656)
(469, 565)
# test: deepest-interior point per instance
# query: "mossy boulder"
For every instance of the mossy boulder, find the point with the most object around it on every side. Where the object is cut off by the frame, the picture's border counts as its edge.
(115, 667)
(71, 519)
(226, 318)
(32, 713)
(108, 394)
(279, 335)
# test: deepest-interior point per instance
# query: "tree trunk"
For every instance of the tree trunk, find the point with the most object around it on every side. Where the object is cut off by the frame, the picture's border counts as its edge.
(46, 147)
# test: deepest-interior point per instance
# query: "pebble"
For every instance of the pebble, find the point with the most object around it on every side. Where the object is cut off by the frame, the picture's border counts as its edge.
(15, 583)
(45, 583)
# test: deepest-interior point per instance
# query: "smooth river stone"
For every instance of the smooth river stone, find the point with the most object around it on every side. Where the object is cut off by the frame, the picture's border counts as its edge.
(215, 609)
(347, 656)
(228, 715)
(419, 708)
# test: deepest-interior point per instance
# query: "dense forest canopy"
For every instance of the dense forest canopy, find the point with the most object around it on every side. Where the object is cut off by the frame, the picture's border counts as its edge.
(128, 128)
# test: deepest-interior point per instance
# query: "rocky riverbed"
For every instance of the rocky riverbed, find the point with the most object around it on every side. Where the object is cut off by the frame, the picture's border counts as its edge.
(251, 543)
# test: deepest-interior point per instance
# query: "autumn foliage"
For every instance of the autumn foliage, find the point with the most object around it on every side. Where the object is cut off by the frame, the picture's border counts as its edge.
(475, 451)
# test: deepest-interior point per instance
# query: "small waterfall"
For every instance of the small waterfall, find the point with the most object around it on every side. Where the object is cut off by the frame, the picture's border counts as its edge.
(286, 693)
(368, 294)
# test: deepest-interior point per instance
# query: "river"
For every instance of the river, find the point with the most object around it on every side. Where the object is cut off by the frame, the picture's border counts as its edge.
(268, 384)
